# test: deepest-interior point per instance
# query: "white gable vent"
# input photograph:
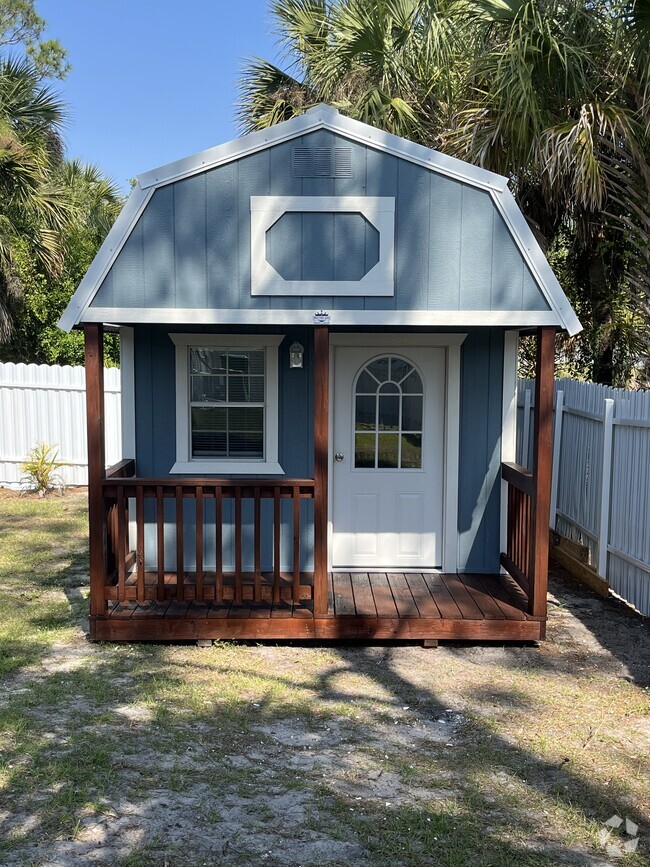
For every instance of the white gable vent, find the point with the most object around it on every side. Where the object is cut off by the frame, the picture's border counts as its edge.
(321, 162)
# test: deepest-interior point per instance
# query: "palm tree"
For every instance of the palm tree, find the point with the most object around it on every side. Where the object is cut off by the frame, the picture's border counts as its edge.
(94, 199)
(557, 98)
(553, 94)
(390, 63)
(33, 207)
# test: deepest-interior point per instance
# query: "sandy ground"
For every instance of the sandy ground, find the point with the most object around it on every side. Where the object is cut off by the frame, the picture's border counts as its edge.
(334, 755)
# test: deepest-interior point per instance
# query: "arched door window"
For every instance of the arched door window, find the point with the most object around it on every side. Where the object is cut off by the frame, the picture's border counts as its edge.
(388, 406)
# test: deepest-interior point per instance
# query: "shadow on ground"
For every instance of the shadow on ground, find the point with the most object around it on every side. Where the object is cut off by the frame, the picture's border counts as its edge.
(331, 755)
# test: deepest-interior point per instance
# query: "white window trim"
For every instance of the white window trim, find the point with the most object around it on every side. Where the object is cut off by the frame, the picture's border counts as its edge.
(185, 463)
(378, 210)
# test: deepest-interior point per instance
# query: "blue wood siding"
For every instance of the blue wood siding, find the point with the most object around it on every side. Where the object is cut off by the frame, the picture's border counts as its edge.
(480, 446)
(479, 489)
(191, 247)
(327, 246)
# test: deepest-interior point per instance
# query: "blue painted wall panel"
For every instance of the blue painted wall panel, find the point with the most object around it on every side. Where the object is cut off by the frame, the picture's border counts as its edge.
(190, 236)
(412, 235)
(480, 442)
(480, 451)
(222, 237)
(476, 249)
(322, 246)
(444, 245)
(127, 275)
(254, 180)
(160, 251)
(191, 248)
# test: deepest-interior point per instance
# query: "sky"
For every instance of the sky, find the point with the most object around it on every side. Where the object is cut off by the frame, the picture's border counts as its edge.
(152, 82)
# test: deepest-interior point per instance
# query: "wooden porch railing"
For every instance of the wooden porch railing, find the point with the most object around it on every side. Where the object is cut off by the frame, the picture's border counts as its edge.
(516, 559)
(128, 576)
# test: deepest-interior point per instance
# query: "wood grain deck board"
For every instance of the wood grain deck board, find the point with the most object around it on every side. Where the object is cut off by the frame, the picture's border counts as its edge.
(364, 602)
(468, 608)
(104, 628)
(507, 601)
(444, 600)
(343, 596)
(260, 610)
(219, 610)
(362, 605)
(404, 601)
(383, 595)
(484, 600)
(282, 610)
(423, 599)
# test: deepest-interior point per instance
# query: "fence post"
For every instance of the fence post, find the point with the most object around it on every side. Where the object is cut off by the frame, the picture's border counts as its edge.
(525, 438)
(557, 445)
(606, 482)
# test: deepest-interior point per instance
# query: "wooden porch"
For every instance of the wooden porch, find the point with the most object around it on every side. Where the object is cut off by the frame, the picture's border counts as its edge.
(134, 595)
(360, 606)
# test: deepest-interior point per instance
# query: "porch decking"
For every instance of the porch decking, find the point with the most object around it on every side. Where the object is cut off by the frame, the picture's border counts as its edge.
(360, 605)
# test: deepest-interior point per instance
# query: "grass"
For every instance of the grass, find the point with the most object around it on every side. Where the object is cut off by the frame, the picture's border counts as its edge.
(332, 755)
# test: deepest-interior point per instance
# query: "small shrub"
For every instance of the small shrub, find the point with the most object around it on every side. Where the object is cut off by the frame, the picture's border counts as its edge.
(41, 470)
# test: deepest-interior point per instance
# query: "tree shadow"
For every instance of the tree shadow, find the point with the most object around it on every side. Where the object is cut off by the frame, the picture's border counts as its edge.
(131, 750)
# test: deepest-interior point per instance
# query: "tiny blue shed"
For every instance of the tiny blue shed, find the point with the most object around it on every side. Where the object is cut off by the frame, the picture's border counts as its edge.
(319, 327)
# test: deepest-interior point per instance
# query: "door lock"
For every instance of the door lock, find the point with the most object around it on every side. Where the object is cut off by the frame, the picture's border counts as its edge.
(338, 457)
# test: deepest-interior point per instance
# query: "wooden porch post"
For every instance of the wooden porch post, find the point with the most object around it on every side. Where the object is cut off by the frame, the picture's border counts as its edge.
(542, 470)
(94, 359)
(321, 452)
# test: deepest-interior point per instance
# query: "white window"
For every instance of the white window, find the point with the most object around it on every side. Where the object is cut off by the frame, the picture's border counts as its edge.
(227, 403)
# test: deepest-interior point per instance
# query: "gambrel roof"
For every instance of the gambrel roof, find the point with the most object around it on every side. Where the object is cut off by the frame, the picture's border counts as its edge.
(89, 305)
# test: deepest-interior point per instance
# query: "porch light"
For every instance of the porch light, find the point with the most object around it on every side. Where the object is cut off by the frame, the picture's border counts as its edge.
(296, 352)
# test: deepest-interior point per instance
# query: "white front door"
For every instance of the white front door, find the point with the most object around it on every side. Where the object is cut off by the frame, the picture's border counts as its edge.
(388, 468)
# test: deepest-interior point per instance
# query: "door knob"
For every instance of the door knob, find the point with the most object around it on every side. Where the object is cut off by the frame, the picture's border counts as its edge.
(338, 457)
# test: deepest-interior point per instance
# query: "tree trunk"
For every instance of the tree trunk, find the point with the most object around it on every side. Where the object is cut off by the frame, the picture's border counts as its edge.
(602, 324)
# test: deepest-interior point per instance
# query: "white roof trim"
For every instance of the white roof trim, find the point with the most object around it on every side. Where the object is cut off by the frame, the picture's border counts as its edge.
(322, 117)
(231, 316)
(319, 117)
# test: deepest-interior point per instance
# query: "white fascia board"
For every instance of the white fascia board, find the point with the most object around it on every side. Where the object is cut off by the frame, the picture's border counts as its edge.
(210, 316)
(106, 255)
(537, 261)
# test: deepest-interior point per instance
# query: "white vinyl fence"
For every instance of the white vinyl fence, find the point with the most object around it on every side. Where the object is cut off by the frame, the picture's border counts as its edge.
(42, 403)
(601, 477)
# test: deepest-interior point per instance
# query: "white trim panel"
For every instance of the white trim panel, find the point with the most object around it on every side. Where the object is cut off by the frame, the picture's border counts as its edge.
(184, 462)
(378, 210)
(127, 379)
(508, 421)
(232, 316)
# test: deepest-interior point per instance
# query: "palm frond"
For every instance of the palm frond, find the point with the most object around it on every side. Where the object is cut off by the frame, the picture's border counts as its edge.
(268, 95)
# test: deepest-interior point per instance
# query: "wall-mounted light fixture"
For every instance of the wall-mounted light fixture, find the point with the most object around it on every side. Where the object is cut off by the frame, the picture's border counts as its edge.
(296, 353)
